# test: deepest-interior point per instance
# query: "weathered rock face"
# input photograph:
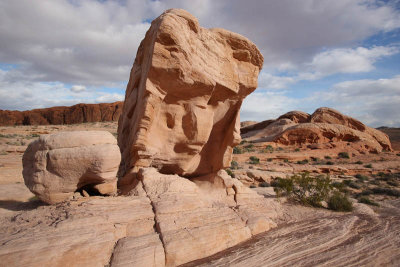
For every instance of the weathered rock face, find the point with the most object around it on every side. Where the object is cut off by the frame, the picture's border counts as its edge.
(79, 113)
(180, 118)
(83, 232)
(57, 165)
(199, 217)
(181, 111)
(325, 125)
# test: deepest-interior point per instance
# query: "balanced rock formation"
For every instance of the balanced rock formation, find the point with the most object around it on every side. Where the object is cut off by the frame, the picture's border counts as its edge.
(181, 111)
(324, 126)
(57, 165)
(176, 132)
(79, 113)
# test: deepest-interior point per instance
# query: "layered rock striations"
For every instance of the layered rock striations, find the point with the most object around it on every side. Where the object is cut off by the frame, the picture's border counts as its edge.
(325, 125)
(79, 113)
(181, 112)
(176, 132)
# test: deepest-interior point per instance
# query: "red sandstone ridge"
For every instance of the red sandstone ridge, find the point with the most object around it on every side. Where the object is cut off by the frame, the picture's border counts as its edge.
(63, 115)
(326, 127)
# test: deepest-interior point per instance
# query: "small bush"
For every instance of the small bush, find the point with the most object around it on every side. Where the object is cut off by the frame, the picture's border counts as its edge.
(237, 150)
(269, 160)
(392, 183)
(339, 202)
(264, 184)
(254, 160)
(230, 173)
(358, 162)
(286, 160)
(361, 177)
(366, 200)
(354, 185)
(386, 191)
(302, 162)
(343, 155)
(366, 192)
(269, 148)
(368, 166)
(234, 165)
(253, 186)
(243, 142)
(327, 157)
(398, 154)
(297, 150)
(304, 189)
(329, 163)
(314, 159)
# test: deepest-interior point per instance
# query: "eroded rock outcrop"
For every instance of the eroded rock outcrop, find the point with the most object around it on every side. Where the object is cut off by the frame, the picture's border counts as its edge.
(57, 165)
(82, 232)
(176, 132)
(79, 113)
(325, 125)
(181, 111)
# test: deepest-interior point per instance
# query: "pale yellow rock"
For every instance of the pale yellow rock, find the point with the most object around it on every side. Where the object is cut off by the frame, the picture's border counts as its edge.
(57, 165)
(77, 233)
(143, 251)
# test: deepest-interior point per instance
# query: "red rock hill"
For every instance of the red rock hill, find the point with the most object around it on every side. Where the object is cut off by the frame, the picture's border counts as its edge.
(326, 127)
(63, 115)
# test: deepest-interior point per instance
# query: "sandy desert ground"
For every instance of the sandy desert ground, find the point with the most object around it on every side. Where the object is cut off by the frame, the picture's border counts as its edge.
(305, 236)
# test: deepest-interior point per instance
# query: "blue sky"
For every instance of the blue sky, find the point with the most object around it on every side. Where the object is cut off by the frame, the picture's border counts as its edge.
(344, 54)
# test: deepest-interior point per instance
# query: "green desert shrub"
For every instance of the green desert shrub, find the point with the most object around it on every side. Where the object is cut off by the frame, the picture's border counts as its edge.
(264, 184)
(361, 177)
(366, 200)
(253, 186)
(304, 189)
(230, 173)
(339, 202)
(302, 162)
(254, 160)
(359, 162)
(328, 157)
(237, 150)
(386, 191)
(368, 166)
(249, 148)
(234, 165)
(297, 150)
(343, 155)
(329, 163)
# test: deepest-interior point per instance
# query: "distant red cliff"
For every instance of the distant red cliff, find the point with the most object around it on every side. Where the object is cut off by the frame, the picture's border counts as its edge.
(79, 113)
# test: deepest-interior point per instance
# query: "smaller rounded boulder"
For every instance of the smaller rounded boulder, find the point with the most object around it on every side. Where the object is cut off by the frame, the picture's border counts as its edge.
(56, 166)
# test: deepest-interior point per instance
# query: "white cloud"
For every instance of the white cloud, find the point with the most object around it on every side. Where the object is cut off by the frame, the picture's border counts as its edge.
(333, 61)
(264, 105)
(78, 88)
(347, 60)
(269, 81)
(106, 97)
(26, 95)
(374, 102)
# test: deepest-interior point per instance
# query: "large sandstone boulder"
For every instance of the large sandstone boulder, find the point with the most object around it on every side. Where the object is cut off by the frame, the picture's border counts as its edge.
(57, 165)
(325, 125)
(181, 110)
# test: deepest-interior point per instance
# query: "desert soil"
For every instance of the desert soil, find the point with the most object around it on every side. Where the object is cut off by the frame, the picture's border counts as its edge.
(368, 236)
